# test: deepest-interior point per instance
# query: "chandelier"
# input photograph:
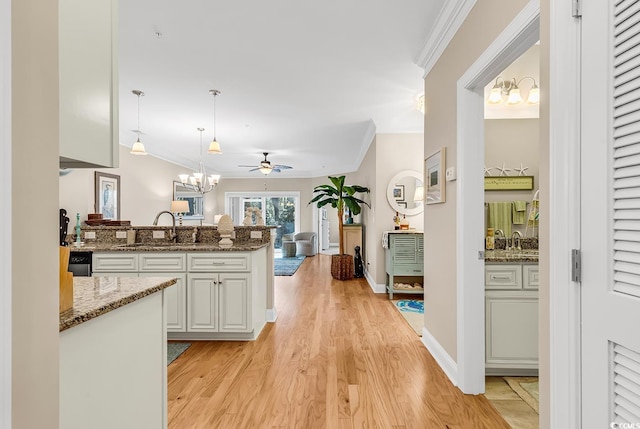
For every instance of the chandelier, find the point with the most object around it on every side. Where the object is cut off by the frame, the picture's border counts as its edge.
(199, 181)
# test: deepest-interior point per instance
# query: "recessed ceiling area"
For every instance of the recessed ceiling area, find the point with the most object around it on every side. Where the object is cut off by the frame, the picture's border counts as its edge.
(310, 83)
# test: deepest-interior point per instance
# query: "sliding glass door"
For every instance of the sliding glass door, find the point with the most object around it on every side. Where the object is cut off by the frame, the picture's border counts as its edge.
(278, 209)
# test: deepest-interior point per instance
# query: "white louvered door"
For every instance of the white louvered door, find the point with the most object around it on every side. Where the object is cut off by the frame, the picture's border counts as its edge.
(610, 213)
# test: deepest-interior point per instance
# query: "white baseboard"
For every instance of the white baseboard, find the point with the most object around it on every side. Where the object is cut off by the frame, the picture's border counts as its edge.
(448, 365)
(376, 288)
(272, 314)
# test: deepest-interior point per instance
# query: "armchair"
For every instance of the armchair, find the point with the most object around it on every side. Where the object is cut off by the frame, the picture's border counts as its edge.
(306, 243)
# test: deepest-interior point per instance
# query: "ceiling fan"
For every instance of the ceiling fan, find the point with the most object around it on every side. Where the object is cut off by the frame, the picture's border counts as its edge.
(266, 167)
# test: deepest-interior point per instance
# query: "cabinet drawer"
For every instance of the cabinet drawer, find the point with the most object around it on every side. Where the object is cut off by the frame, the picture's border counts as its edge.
(408, 269)
(503, 276)
(530, 277)
(163, 262)
(115, 262)
(218, 262)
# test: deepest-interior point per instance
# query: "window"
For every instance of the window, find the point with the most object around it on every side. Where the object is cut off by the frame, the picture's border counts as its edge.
(279, 209)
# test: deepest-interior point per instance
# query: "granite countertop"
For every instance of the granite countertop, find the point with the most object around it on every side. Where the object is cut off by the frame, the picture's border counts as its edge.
(525, 255)
(95, 296)
(167, 247)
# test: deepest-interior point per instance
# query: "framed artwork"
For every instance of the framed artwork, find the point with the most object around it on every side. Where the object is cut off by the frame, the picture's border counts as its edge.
(398, 192)
(107, 198)
(508, 183)
(434, 167)
(402, 204)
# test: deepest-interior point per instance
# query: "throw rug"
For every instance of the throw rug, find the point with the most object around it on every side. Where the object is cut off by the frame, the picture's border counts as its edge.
(174, 350)
(527, 388)
(413, 312)
(287, 266)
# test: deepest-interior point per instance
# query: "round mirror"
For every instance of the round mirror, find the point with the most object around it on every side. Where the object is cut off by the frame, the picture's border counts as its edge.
(403, 191)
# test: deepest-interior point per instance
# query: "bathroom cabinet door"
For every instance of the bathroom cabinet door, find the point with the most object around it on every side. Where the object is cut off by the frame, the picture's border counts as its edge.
(511, 332)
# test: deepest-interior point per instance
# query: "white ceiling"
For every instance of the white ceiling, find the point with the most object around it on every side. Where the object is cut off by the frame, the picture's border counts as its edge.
(309, 82)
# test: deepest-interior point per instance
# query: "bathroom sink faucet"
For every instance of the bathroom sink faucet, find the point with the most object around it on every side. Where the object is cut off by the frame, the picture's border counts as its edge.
(514, 236)
(174, 236)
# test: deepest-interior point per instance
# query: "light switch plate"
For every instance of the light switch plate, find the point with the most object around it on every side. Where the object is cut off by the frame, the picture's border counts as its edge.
(450, 174)
(90, 235)
(156, 234)
(256, 234)
(121, 234)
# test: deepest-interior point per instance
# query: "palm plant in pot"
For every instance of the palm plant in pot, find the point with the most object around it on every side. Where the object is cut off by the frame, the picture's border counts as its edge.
(340, 197)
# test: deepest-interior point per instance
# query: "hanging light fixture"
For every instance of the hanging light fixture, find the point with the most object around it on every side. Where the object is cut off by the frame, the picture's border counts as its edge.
(199, 181)
(214, 146)
(138, 147)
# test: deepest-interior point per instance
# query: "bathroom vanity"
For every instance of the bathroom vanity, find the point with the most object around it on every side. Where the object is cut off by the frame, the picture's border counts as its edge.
(511, 313)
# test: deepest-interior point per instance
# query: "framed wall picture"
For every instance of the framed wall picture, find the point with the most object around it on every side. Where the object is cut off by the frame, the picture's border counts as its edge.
(107, 197)
(434, 167)
(398, 192)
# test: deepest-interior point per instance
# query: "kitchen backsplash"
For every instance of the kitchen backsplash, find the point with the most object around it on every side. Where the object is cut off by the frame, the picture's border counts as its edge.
(144, 234)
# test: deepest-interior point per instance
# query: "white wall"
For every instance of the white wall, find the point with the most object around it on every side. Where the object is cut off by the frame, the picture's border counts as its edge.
(33, 205)
(146, 188)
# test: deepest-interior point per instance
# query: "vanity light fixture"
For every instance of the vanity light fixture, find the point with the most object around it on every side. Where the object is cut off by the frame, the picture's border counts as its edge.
(511, 90)
(420, 104)
(138, 147)
(214, 146)
(199, 181)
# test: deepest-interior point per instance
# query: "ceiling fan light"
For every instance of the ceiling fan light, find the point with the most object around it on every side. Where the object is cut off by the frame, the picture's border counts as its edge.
(214, 147)
(265, 170)
(138, 148)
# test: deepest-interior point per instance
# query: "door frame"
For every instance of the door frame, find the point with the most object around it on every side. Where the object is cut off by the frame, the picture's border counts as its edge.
(560, 304)
(5, 215)
(522, 33)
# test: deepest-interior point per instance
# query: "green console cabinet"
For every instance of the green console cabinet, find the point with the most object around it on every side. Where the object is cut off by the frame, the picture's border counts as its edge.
(404, 257)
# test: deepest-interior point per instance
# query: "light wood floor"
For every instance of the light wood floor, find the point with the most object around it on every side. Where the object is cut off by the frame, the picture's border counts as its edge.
(338, 356)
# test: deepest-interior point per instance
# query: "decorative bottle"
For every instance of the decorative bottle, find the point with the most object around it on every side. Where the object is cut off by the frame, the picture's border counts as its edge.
(490, 243)
(396, 221)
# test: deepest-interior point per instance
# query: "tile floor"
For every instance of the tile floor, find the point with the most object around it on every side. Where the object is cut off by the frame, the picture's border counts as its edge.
(514, 410)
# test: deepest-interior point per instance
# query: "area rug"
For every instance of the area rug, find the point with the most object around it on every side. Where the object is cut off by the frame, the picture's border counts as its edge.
(526, 388)
(413, 312)
(287, 266)
(175, 349)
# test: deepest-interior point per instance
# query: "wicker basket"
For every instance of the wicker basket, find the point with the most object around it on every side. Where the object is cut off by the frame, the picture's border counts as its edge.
(342, 267)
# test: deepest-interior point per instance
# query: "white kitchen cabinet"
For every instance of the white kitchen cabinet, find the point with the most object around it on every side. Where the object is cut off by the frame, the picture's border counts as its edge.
(511, 319)
(219, 295)
(88, 66)
(169, 264)
(115, 262)
(175, 300)
(219, 302)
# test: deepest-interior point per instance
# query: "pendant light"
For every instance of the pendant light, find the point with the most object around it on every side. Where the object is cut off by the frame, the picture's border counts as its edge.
(138, 147)
(199, 181)
(214, 146)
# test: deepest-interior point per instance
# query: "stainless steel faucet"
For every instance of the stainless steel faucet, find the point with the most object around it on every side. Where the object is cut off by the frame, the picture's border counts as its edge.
(518, 235)
(174, 236)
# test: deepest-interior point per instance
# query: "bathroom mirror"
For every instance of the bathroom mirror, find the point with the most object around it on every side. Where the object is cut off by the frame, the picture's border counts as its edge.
(195, 199)
(402, 191)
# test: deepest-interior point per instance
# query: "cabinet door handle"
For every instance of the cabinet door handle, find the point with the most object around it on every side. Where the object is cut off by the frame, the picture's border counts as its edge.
(417, 271)
(494, 277)
(218, 263)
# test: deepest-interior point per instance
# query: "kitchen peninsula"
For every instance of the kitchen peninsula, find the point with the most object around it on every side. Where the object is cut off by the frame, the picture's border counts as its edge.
(223, 292)
(113, 354)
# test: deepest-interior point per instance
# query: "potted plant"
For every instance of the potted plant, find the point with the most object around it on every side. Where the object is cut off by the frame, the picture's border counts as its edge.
(340, 197)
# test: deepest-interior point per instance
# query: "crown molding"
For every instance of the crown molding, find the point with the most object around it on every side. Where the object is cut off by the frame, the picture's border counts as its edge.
(451, 17)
